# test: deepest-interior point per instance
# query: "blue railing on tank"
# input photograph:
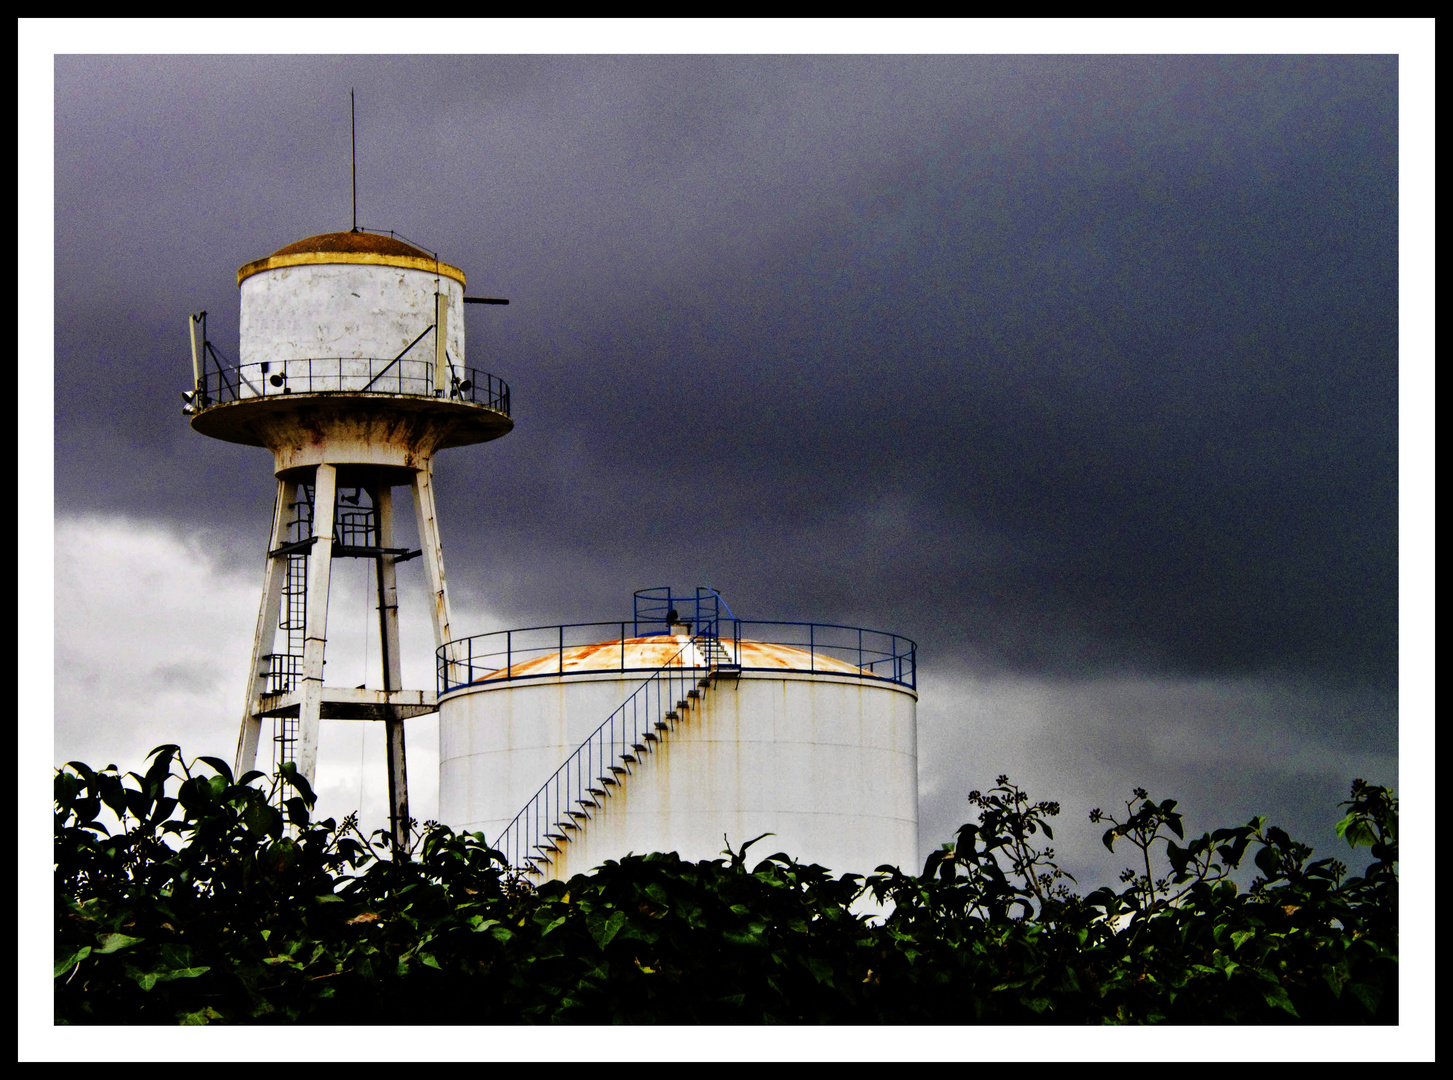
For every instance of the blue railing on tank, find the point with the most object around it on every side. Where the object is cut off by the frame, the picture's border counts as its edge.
(700, 612)
(350, 375)
(498, 656)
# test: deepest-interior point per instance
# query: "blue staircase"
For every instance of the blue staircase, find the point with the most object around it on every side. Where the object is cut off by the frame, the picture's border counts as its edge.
(562, 809)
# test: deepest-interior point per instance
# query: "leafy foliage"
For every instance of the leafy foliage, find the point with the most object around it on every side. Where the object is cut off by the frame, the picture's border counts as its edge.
(207, 904)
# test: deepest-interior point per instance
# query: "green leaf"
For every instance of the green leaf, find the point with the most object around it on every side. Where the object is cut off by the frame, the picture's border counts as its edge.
(604, 930)
(223, 769)
(1369, 995)
(71, 961)
(145, 979)
(822, 972)
(1356, 831)
(111, 943)
(202, 1016)
(1241, 937)
(262, 820)
(1276, 996)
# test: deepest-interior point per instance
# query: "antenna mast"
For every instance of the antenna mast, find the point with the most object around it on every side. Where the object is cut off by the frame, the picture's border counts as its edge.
(353, 146)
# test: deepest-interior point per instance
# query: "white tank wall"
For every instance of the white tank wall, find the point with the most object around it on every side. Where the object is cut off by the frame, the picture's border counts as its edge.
(345, 310)
(829, 765)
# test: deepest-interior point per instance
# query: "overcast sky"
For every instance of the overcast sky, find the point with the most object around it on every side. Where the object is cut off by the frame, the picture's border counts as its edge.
(1080, 371)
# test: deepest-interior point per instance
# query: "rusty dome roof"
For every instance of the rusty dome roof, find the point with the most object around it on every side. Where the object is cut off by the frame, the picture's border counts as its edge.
(659, 650)
(352, 247)
(375, 243)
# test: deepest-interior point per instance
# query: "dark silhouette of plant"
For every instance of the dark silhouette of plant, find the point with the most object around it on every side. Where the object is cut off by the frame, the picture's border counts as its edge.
(199, 901)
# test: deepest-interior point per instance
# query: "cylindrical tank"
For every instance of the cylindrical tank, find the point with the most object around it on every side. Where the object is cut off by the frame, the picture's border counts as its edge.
(813, 749)
(351, 351)
(348, 295)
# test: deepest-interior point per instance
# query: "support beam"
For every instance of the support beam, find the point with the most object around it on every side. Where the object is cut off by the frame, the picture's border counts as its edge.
(393, 679)
(266, 633)
(428, 522)
(315, 634)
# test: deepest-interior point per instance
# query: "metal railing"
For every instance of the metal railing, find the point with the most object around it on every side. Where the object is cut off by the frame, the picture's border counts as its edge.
(222, 385)
(701, 612)
(498, 656)
(876, 654)
(562, 805)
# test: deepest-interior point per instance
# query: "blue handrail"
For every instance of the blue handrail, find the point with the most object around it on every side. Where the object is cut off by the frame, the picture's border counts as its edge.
(564, 800)
(876, 654)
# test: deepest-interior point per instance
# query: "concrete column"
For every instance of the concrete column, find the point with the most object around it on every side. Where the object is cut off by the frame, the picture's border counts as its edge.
(388, 627)
(266, 633)
(315, 634)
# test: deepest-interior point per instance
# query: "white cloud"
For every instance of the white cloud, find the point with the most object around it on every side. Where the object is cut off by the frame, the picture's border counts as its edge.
(153, 632)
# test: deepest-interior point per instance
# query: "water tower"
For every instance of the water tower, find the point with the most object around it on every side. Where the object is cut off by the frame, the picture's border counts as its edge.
(351, 370)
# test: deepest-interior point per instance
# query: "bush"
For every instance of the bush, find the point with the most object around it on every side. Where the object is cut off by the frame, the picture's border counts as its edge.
(209, 904)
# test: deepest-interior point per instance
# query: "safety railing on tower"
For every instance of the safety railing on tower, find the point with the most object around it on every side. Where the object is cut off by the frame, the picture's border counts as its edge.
(220, 381)
(351, 375)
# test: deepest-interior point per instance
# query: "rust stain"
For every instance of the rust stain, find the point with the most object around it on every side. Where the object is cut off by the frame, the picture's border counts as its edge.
(659, 650)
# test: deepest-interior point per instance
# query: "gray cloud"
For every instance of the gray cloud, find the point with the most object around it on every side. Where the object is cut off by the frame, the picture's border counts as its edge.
(1079, 371)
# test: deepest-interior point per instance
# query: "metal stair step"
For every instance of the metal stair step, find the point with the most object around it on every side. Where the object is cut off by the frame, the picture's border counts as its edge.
(651, 737)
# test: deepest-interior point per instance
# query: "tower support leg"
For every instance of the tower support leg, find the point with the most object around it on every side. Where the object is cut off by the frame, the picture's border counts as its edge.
(433, 551)
(388, 627)
(262, 639)
(315, 635)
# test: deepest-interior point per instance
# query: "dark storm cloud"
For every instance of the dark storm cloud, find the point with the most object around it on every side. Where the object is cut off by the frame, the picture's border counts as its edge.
(1059, 365)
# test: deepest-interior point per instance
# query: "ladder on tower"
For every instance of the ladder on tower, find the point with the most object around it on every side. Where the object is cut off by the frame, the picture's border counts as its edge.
(285, 668)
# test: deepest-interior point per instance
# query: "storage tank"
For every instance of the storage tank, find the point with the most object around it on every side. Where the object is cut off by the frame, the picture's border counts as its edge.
(682, 730)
